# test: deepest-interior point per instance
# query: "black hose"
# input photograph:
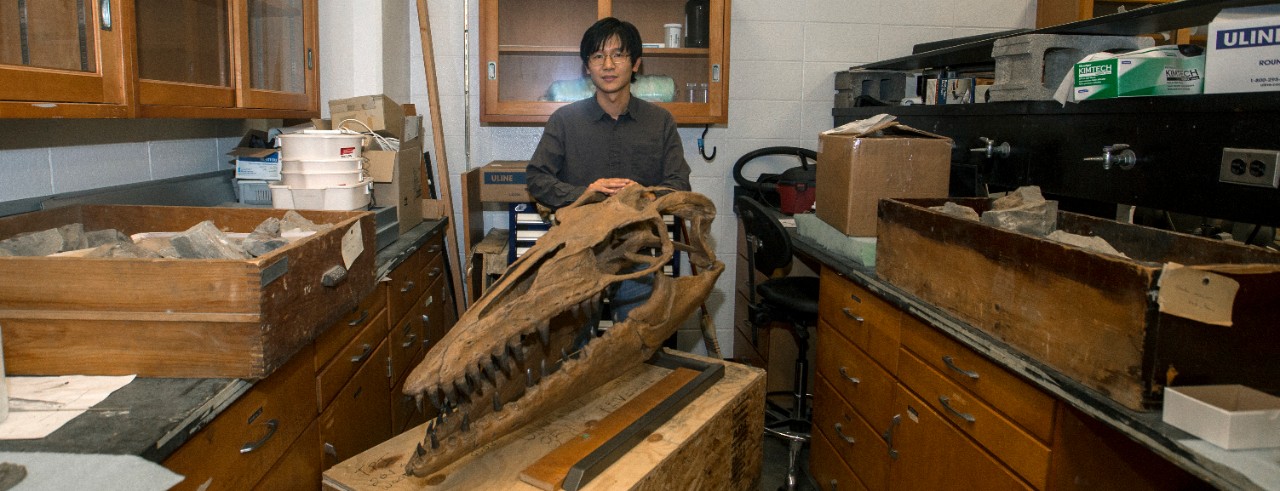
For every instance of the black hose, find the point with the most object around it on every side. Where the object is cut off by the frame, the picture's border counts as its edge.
(756, 187)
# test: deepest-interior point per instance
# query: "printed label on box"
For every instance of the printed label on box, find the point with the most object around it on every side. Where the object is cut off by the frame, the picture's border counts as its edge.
(504, 178)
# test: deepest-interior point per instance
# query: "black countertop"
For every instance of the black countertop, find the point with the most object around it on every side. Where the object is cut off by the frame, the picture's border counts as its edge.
(152, 417)
(1240, 469)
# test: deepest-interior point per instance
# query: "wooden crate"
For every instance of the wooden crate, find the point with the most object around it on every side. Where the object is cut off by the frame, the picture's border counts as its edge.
(174, 317)
(1092, 317)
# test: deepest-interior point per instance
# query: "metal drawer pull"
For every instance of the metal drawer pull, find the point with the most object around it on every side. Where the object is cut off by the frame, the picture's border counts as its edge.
(272, 425)
(413, 339)
(888, 435)
(433, 273)
(426, 320)
(364, 314)
(833, 485)
(408, 285)
(855, 298)
(840, 431)
(849, 313)
(333, 277)
(946, 403)
(853, 380)
(434, 248)
(951, 363)
(365, 351)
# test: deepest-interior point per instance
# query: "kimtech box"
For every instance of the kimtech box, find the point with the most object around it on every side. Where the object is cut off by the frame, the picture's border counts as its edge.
(1244, 51)
(1159, 70)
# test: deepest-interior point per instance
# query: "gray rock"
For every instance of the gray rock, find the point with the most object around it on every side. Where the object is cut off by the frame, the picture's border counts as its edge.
(205, 241)
(1095, 244)
(958, 211)
(96, 238)
(73, 237)
(1023, 196)
(1038, 219)
(269, 228)
(294, 220)
(42, 243)
(257, 248)
(122, 250)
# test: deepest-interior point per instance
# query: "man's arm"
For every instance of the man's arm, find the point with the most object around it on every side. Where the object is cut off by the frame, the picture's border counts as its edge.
(675, 170)
(545, 165)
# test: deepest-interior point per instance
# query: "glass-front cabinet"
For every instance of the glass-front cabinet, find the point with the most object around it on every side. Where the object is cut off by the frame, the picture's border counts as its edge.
(530, 65)
(63, 57)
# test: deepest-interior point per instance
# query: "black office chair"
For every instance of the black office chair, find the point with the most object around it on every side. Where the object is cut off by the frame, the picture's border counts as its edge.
(792, 300)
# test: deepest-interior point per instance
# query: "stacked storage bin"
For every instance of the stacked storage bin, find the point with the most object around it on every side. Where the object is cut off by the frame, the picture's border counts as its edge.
(322, 170)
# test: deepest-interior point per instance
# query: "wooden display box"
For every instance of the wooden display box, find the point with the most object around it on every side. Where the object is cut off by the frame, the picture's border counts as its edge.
(1093, 317)
(175, 317)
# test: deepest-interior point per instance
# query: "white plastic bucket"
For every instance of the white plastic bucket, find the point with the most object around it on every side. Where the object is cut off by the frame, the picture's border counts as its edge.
(331, 165)
(344, 198)
(315, 180)
(320, 145)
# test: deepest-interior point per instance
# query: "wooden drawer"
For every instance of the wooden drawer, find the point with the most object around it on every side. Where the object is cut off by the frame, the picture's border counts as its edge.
(1008, 442)
(406, 283)
(358, 418)
(355, 355)
(933, 454)
(864, 318)
(336, 337)
(436, 310)
(855, 442)
(299, 467)
(405, 412)
(247, 439)
(405, 341)
(1020, 401)
(854, 377)
(828, 468)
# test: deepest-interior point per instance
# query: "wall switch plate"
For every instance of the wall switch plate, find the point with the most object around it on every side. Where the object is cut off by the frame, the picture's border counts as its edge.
(1250, 167)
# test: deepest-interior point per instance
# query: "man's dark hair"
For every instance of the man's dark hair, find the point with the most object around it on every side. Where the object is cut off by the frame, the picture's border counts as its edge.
(593, 40)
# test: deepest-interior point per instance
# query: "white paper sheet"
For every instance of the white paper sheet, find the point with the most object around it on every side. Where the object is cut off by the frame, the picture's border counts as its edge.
(40, 405)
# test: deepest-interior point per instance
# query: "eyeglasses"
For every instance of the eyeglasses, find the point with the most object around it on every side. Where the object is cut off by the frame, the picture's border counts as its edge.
(617, 57)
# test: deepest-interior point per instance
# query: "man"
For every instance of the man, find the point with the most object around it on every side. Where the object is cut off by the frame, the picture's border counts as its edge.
(607, 142)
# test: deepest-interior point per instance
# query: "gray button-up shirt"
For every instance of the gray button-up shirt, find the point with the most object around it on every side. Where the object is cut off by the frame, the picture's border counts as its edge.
(582, 143)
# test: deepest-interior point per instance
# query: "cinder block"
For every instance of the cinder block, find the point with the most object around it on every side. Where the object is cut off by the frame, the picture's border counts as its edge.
(883, 85)
(1031, 66)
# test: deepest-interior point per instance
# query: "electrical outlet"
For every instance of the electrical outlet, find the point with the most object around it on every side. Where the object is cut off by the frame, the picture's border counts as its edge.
(1250, 167)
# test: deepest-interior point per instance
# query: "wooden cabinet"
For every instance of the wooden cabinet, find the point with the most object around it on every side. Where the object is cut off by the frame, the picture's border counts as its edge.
(530, 64)
(938, 415)
(160, 58)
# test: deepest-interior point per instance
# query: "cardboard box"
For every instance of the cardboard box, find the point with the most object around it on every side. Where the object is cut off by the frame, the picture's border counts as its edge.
(503, 181)
(894, 161)
(397, 181)
(1233, 417)
(381, 114)
(1126, 327)
(255, 159)
(1244, 50)
(1159, 70)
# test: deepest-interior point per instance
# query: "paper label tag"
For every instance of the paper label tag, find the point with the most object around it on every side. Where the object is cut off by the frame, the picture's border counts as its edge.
(352, 245)
(1196, 294)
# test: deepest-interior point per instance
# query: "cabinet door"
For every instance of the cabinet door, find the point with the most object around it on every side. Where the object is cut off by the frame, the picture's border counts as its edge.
(184, 53)
(278, 56)
(531, 64)
(66, 56)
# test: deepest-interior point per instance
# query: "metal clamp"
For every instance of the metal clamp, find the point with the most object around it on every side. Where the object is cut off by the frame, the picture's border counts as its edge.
(1119, 155)
(992, 149)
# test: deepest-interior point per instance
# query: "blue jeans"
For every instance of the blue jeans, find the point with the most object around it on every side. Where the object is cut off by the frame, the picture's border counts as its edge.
(623, 297)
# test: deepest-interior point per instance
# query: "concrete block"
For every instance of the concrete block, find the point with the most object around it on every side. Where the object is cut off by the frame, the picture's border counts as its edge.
(1031, 66)
(883, 85)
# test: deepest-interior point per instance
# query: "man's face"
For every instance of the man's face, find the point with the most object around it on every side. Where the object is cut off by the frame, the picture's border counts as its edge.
(611, 67)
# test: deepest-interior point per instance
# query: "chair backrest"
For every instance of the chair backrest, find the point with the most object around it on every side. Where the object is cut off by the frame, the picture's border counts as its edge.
(772, 247)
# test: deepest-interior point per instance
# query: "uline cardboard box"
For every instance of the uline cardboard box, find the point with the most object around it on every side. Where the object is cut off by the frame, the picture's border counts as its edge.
(378, 112)
(1244, 50)
(397, 180)
(1158, 70)
(503, 181)
(858, 167)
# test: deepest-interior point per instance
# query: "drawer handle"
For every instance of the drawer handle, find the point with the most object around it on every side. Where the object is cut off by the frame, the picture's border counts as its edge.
(334, 276)
(430, 300)
(840, 431)
(833, 484)
(855, 298)
(408, 286)
(433, 273)
(849, 313)
(410, 341)
(364, 314)
(434, 248)
(946, 403)
(888, 435)
(365, 351)
(853, 380)
(951, 363)
(426, 320)
(272, 425)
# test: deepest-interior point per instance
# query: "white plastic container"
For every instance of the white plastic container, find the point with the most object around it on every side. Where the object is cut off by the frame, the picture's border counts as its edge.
(344, 198)
(672, 32)
(331, 165)
(320, 145)
(316, 180)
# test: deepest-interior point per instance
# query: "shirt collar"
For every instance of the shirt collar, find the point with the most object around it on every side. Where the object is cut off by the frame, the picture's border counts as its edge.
(597, 112)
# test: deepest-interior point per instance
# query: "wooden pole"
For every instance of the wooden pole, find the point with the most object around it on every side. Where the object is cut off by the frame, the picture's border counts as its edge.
(442, 163)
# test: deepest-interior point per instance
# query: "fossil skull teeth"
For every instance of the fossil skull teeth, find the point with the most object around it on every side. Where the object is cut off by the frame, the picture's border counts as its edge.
(512, 356)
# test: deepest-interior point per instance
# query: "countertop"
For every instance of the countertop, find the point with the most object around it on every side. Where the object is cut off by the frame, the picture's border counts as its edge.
(1240, 469)
(152, 417)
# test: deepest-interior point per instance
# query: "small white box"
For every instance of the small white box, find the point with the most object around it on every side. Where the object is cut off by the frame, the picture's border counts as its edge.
(1244, 50)
(1233, 417)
